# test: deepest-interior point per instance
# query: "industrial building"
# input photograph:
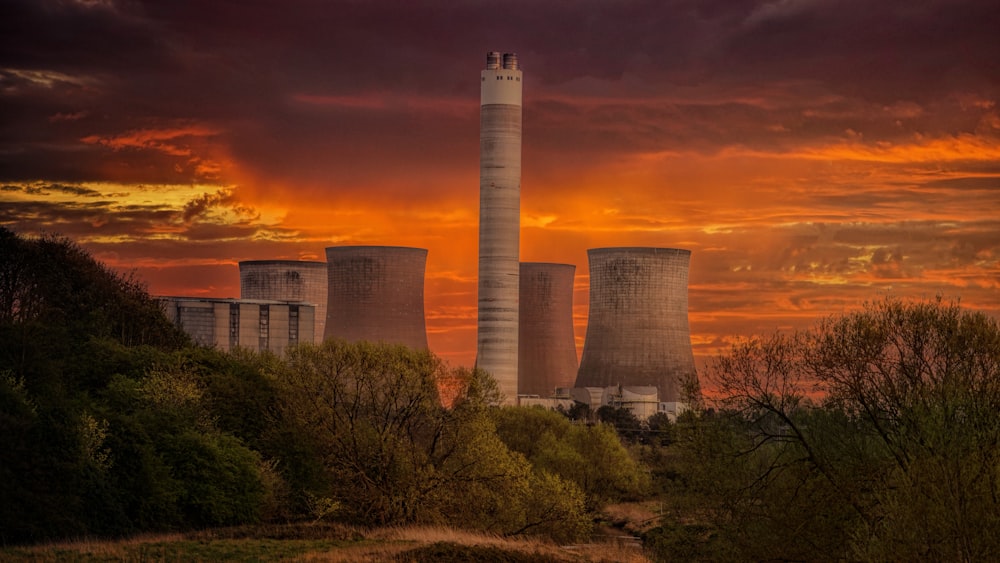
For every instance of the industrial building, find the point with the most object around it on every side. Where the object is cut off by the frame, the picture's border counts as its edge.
(499, 220)
(640, 400)
(546, 355)
(287, 280)
(637, 349)
(637, 330)
(228, 324)
(376, 293)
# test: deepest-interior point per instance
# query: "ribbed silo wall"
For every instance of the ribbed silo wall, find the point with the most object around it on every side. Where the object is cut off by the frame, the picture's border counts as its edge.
(546, 357)
(287, 280)
(637, 330)
(499, 221)
(376, 293)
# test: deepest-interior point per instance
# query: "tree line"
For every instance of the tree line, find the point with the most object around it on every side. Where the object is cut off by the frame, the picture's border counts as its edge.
(873, 436)
(113, 422)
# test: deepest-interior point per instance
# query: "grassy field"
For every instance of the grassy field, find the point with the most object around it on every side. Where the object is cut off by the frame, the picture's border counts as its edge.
(325, 542)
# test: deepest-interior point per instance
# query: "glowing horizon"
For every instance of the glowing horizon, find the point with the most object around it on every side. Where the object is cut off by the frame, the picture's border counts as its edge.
(806, 175)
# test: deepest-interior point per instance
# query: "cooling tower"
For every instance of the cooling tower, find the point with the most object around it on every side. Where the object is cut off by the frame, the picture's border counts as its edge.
(376, 293)
(499, 220)
(287, 280)
(546, 357)
(637, 331)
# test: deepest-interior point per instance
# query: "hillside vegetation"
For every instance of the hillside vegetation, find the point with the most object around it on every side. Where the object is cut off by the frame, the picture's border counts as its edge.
(873, 436)
(113, 423)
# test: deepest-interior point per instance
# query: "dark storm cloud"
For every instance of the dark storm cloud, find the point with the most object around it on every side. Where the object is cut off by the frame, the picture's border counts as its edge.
(71, 36)
(121, 66)
(79, 219)
(200, 206)
(47, 189)
(879, 50)
(209, 217)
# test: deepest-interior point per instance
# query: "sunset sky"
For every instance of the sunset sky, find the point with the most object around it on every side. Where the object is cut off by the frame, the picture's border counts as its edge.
(812, 154)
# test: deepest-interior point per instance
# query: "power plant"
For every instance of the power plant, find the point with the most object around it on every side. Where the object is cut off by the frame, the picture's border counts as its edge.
(546, 358)
(287, 280)
(376, 293)
(499, 220)
(638, 345)
(637, 331)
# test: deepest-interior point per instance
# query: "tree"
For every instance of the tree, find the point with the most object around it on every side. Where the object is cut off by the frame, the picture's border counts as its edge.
(872, 436)
(658, 430)
(52, 281)
(622, 420)
(390, 453)
(370, 412)
(591, 456)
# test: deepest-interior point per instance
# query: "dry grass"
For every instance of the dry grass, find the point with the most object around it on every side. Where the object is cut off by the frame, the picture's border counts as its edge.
(88, 548)
(392, 542)
(633, 517)
(305, 543)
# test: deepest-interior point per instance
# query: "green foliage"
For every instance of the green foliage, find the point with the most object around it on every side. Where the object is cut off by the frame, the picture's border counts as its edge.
(111, 423)
(52, 282)
(623, 421)
(590, 456)
(104, 424)
(370, 412)
(390, 453)
(873, 436)
(658, 430)
(219, 477)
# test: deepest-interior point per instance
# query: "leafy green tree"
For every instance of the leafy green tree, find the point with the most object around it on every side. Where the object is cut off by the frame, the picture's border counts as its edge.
(873, 436)
(657, 430)
(104, 423)
(390, 453)
(53, 281)
(369, 409)
(629, 427)
(591, 456)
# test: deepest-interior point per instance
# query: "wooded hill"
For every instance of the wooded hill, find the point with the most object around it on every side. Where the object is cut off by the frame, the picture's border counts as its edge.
(112, 422)
(874, 436)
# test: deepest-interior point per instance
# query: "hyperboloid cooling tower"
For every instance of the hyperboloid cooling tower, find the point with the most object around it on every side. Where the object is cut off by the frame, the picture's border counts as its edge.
(287, 280)
(546, 356)
(499, 220)
(376, 293)
(637, 332)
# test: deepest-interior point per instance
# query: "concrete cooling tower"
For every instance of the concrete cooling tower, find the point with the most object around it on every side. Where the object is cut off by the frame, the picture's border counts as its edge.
(376, 293)
(287, 280)
(499, 220)
(546, 357)
(637, 331)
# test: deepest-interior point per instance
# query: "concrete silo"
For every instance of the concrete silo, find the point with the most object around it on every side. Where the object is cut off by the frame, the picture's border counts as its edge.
(637, 331)
(499, 220)
(287, 280)
(376, 293)
(546, 356)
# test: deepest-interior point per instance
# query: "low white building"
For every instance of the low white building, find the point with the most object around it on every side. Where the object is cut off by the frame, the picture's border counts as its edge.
(254, 324)
(672, 409)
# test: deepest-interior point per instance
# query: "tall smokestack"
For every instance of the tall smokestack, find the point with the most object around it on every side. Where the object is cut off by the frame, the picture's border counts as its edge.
(499, 220)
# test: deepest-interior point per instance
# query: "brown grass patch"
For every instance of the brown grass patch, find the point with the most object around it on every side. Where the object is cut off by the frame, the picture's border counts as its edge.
(87, 548)
(633, 517)
(327, 542)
